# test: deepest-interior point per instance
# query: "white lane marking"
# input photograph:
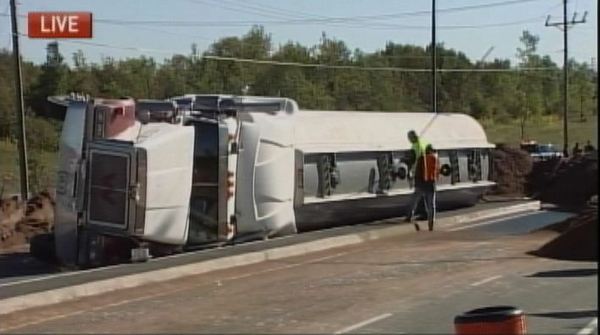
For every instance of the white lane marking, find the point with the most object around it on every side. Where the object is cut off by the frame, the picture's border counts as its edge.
(155, 295)
(486, 280)
(493, 221)
(363, 323)
(283, 267)
(589, 328)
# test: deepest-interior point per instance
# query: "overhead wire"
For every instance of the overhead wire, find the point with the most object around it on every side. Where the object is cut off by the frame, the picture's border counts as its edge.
(306, 65)
(311, 20)
(368, 68)
(256, 61)
(319, 19)
(282, 14)
(304, 15)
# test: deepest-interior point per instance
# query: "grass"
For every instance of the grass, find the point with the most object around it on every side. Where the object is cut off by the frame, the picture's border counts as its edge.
(42, 166)
(545, 131)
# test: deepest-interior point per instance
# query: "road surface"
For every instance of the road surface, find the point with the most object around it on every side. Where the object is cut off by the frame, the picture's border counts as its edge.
(414, 283)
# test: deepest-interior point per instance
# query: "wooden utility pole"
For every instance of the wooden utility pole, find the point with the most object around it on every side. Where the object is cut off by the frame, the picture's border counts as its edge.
(564, 25)
(24, 177)
(433, 61)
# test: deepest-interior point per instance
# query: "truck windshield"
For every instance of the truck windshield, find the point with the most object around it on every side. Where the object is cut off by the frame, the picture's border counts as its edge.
(205, 183)
(206, 152)
(184, 103)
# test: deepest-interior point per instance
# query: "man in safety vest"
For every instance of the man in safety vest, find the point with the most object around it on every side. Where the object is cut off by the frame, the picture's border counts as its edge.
(417, 150)
(426, 174)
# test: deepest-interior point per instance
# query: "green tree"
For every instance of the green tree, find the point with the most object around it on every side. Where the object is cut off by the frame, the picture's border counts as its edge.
(53, 80)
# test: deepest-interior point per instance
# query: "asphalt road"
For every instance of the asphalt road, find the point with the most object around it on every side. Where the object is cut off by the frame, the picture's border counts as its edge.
(415, 283)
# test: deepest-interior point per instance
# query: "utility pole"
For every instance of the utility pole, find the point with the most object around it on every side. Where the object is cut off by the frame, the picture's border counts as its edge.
(20, 104)
(564, 25)
(581, 106)
(433, 61)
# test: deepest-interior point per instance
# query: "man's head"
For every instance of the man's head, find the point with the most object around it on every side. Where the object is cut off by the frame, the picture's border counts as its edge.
(412, 136)
(429, 149)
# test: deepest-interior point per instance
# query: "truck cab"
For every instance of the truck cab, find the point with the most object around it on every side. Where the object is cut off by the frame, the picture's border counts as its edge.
(132, 176)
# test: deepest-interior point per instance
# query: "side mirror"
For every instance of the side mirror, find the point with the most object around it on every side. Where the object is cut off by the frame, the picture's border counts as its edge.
(446, 170)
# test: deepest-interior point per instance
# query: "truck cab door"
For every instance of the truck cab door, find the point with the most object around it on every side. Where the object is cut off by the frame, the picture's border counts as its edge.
(69, 186)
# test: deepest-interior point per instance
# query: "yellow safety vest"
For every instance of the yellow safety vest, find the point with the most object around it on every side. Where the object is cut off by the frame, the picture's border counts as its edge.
(419, 149)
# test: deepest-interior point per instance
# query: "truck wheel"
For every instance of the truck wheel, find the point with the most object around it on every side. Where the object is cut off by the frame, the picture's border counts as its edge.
(42, 247)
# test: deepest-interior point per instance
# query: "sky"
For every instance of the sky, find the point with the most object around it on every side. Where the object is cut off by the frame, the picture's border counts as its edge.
(484, 26)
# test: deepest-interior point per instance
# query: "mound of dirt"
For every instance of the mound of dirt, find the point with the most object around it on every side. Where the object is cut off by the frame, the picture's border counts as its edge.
(510, 168)
(20, 222)
(578, 240)
(541, 175)
(11, 239)
(568, 182)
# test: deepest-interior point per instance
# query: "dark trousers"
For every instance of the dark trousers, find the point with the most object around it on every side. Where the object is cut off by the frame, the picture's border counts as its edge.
(427, 193)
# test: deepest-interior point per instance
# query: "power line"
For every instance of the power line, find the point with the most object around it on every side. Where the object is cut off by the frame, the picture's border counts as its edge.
(320, 20)
(368, 68)
(308, 65)
(317, 20)
(251, 23)
(282, 14)
(279, 11)
(259, 10)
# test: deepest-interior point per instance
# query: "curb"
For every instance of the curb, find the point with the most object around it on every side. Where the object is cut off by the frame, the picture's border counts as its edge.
(54, 296)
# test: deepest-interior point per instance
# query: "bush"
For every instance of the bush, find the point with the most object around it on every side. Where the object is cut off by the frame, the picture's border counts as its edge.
(42, 134)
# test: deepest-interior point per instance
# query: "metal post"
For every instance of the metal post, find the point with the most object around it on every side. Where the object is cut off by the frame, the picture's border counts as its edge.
(433, 61)
(565, 82)
(20, 104)
(581, 106)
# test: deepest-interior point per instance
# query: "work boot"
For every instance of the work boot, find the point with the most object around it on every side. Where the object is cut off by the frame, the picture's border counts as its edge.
(417, 228)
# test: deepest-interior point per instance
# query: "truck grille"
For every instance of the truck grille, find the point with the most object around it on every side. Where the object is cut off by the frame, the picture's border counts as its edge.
(109, 182)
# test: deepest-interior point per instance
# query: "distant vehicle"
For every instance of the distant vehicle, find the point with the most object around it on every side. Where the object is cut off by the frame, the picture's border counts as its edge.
(541, 152)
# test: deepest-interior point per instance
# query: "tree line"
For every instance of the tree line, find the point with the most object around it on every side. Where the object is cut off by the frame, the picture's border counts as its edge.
(511, 95)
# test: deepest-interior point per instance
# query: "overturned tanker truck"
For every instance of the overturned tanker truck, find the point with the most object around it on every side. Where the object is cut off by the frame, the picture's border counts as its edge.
(235, 169)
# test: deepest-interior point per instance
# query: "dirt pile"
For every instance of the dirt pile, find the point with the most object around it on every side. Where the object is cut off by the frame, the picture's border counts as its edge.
(568, 182)
(541, 175)
(510, 168)
(578, 240)
(19, 222)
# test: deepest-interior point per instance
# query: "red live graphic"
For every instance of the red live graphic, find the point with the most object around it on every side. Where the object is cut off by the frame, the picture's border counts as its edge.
(59, 24)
